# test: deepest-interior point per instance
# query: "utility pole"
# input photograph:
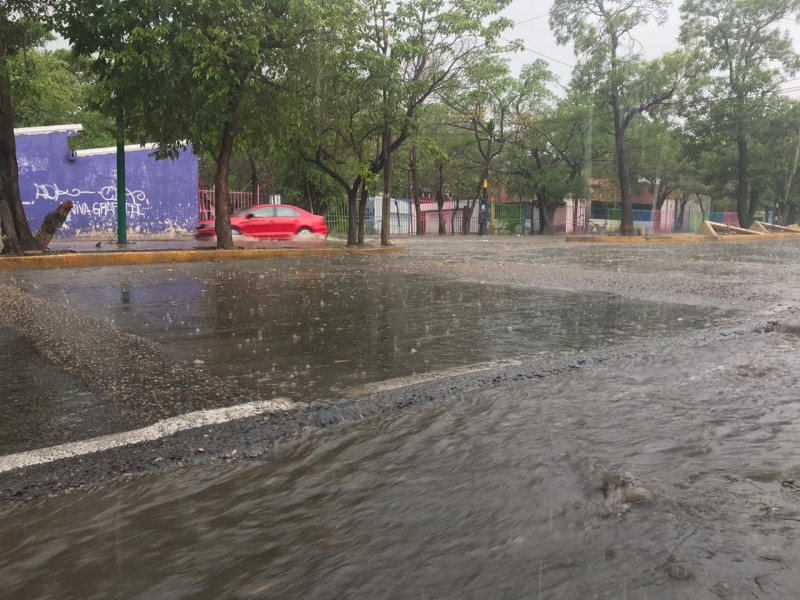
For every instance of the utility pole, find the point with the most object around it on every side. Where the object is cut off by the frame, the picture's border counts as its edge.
(483, 213)
(122, 193)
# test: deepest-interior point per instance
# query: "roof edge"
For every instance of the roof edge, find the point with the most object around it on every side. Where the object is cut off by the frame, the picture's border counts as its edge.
(75, 127)
(113, 149)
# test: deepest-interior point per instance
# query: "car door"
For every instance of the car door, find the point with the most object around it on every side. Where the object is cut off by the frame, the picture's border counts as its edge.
(257, 224)
(287, 221)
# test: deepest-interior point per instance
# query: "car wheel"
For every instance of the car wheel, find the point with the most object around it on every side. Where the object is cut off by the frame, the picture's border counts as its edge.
(236, 231)
(305, 232)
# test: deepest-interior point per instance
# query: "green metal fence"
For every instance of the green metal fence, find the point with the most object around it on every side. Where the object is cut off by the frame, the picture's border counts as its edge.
(695, 220)
(508, 219)
(336, 220)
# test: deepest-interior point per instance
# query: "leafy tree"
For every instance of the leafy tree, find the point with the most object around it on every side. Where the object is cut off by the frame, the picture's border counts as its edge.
(484, 103)
(338, 123)
(745, 54)
(427, 159)
(553, 149)
(601, 31)
(657, 158)
(427, 44)
(361, 98)
(774, 151)
(788, 136)
(54, 88)
(193, 72)
(44, 90)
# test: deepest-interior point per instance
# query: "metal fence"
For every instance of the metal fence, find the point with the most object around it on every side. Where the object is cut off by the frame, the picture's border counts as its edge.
(336, 219)
(726, 218)
(401, 218)
(509, 219)
(237, 201)
(453, 218)
(659, 222)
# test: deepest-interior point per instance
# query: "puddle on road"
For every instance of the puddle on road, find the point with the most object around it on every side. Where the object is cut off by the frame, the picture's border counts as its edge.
(494, 495)
(304, 331)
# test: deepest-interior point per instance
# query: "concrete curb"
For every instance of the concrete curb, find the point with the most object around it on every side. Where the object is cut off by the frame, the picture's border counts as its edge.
(686, 239)
(638, 239)
(150, 257)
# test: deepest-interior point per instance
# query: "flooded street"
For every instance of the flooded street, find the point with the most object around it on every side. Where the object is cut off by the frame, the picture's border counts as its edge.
(655, 457)
(308, 332)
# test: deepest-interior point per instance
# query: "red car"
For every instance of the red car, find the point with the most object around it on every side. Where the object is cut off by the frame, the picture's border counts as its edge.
(269, 221)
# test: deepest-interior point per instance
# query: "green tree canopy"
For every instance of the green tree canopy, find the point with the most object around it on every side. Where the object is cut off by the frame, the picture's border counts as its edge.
(746, 54)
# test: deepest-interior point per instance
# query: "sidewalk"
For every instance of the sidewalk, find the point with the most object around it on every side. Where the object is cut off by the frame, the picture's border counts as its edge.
(152, 244)
(93, 253)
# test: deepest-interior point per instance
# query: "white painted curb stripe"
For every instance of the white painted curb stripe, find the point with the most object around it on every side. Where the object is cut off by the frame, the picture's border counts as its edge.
(401, 382)
(156, 431)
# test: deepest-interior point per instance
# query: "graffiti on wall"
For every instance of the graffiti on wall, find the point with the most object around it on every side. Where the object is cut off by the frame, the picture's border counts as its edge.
(161, 197)
(100, 203)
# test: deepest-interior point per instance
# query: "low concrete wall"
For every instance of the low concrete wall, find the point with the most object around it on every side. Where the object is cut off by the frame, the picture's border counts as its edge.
(161, 194)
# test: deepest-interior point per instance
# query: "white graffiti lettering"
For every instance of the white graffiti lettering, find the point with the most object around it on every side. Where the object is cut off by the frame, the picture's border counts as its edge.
(53, 192)
(81, 208)
(136, 201)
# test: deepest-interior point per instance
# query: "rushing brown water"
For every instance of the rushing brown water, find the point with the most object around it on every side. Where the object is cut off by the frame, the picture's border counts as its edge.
(496, 494)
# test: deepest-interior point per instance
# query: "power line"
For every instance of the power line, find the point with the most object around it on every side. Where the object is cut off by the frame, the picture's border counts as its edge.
(550, 58)
(525, 48)
(531, 19)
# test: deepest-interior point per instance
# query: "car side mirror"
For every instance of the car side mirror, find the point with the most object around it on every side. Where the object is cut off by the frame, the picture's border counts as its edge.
(250, 215)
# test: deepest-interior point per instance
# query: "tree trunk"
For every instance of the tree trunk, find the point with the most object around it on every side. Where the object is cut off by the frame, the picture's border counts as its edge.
(661, 196)
(254, 180)
(51, 224)
(755, 198)
(791, 214)
(683, 202)
(222, 208)
(415, 190)
(547, 213)
(550, 212)
(453, 215)
(312, 208)
(743, 184)
(542, 214)
(440, 201)
(13, 223)
(352, 214)
(466, 221)
(386, 207)
(626, 193)
(362, 213)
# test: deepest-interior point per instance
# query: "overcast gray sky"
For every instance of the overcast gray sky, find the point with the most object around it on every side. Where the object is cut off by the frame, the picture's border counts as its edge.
(533, 28)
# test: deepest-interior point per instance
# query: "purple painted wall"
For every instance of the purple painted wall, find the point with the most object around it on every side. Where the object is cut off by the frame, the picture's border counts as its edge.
(162, 194)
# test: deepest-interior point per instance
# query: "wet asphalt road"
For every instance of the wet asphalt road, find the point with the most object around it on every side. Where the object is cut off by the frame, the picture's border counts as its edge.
(653, 360)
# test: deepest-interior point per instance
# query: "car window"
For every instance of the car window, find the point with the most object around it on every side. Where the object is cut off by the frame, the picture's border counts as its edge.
(286, 211)
(266, 211)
